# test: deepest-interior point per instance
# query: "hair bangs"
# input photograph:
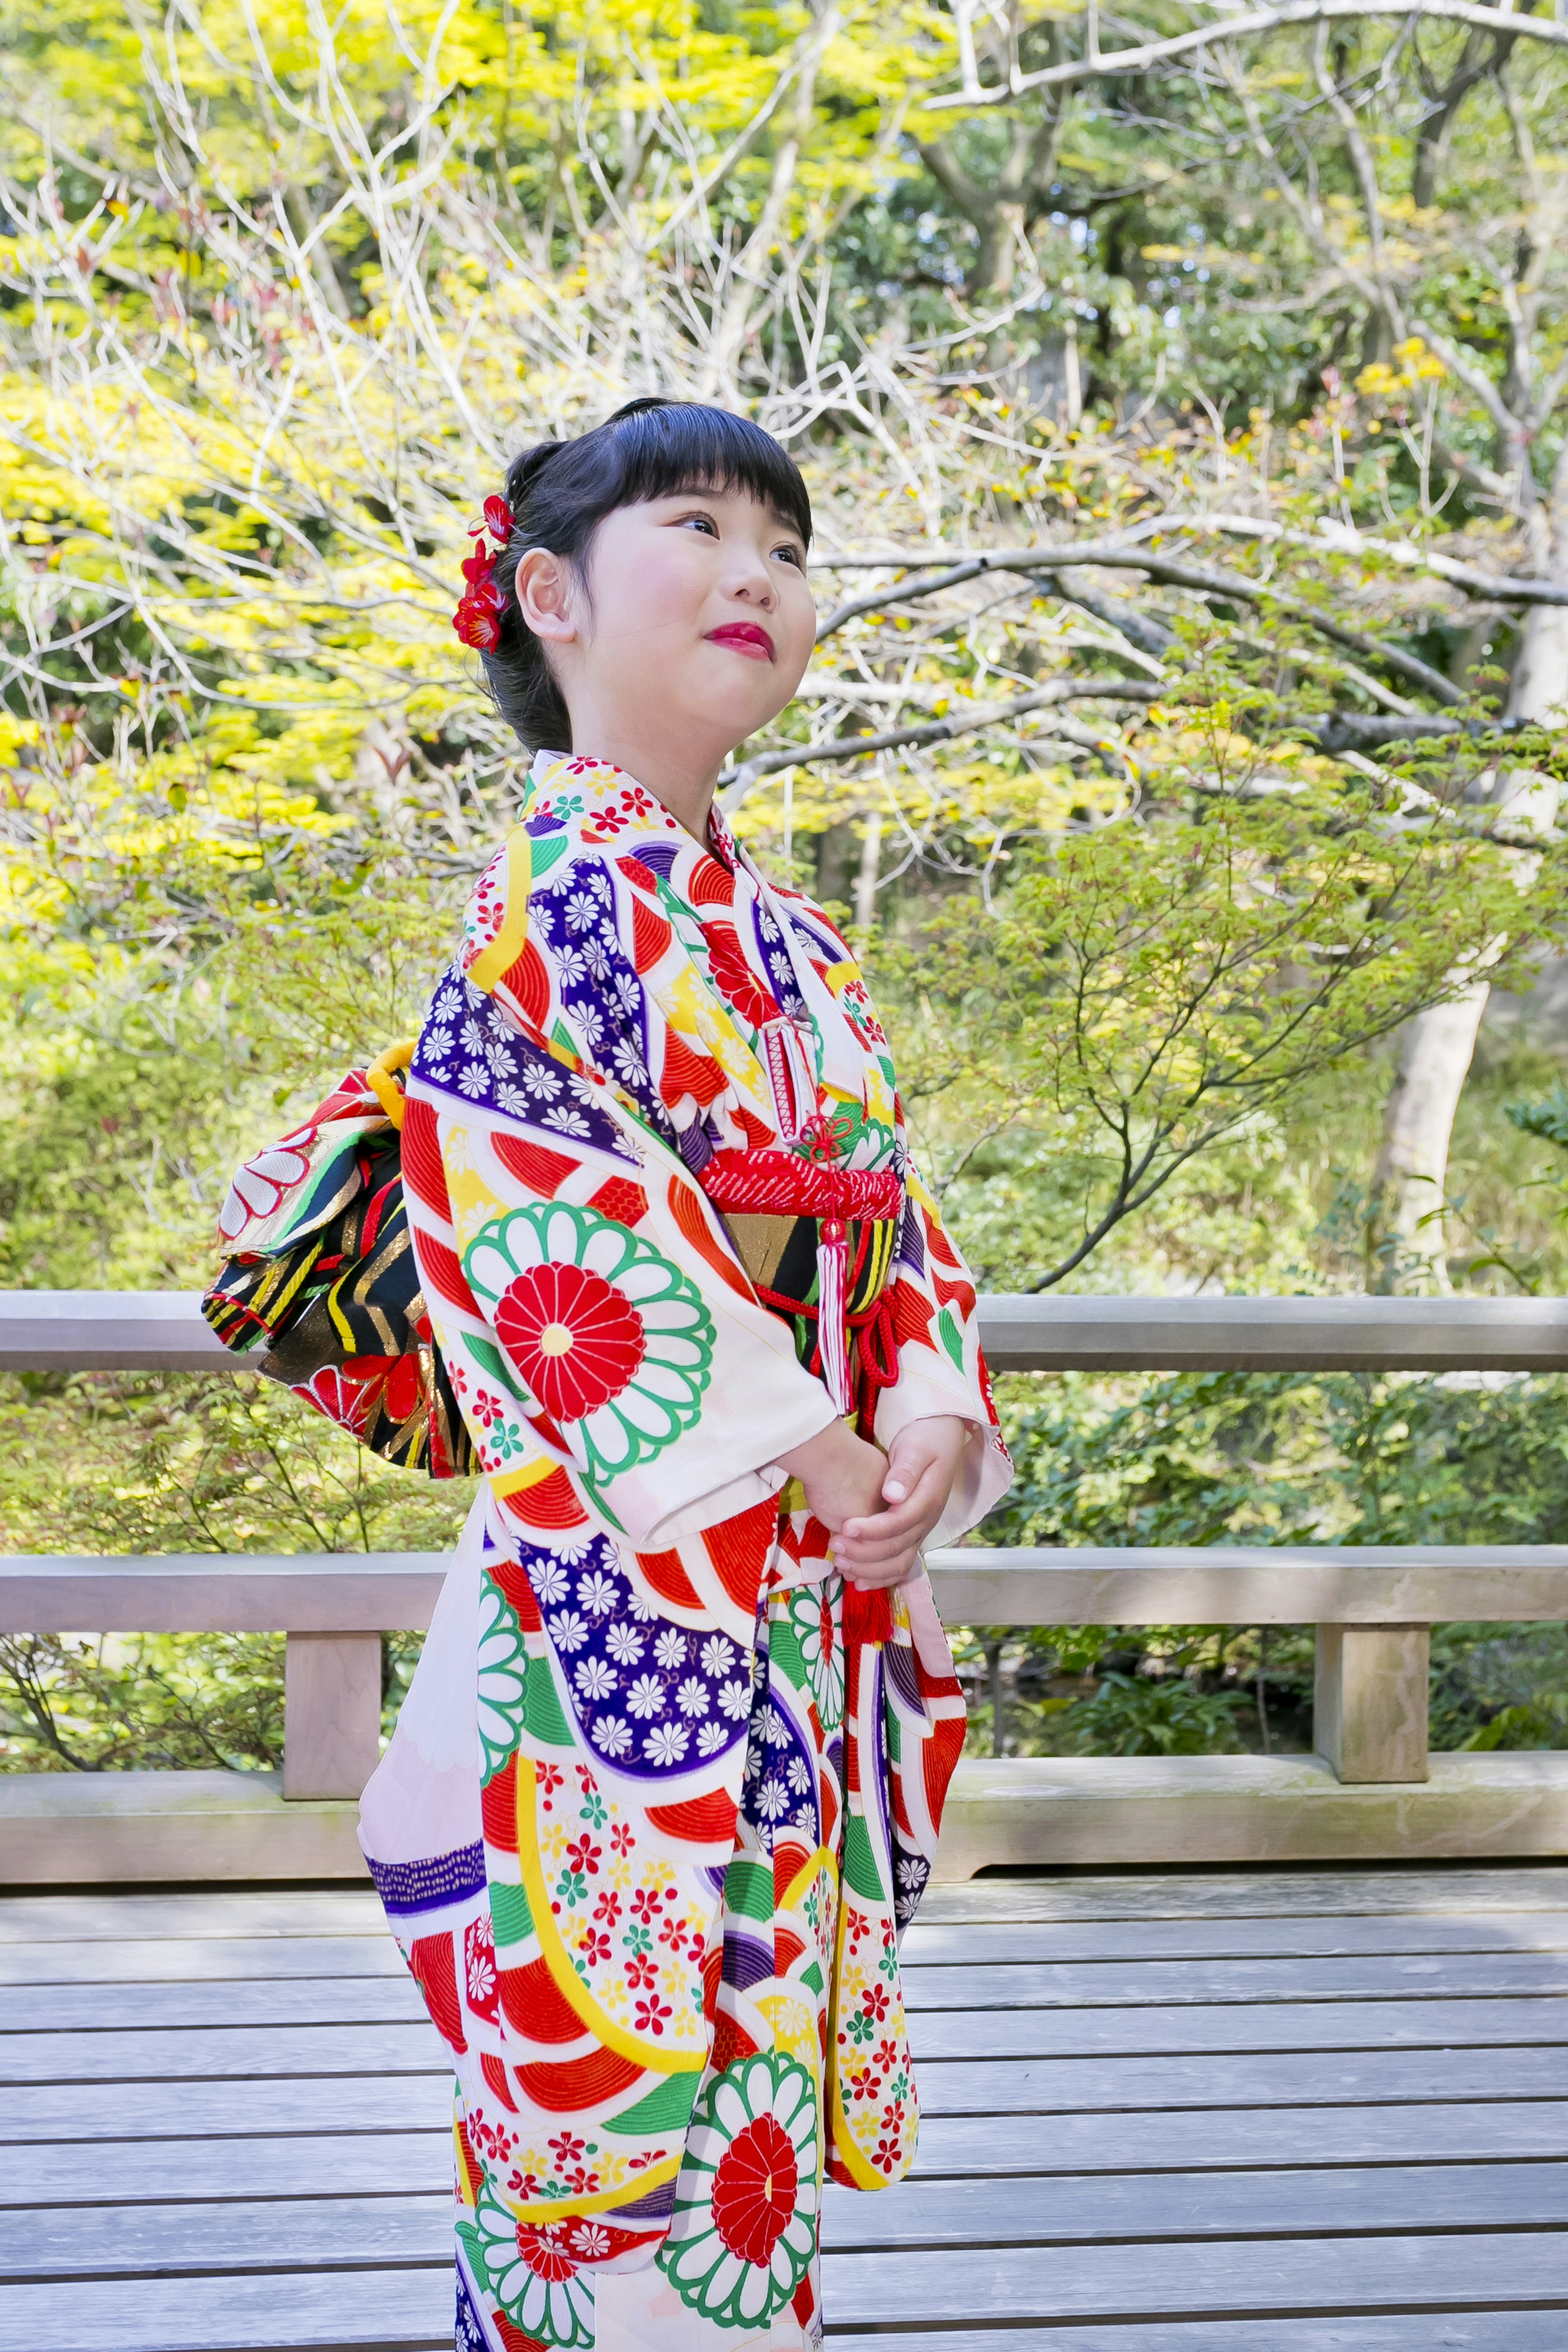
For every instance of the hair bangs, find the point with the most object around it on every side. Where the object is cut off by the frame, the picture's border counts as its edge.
(666, 447)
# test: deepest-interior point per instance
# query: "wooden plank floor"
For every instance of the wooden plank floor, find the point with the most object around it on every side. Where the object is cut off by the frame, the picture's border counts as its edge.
(1305, 2111)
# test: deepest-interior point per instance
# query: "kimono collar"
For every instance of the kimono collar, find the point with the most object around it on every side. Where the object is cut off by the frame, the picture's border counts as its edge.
(603, 804)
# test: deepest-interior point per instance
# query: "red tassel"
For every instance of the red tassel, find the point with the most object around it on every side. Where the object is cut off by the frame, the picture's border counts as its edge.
(868, 1613)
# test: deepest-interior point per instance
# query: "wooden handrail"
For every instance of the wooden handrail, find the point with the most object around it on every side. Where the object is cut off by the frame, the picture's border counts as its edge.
(108, 1331)
(1226, 1584)
(112, 1330)
(1273, 1334)
(1223, 1585)
(1374, 1608)
(222, 1592)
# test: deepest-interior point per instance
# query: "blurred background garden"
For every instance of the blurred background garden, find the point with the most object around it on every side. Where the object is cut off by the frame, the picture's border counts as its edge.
(1182, 396)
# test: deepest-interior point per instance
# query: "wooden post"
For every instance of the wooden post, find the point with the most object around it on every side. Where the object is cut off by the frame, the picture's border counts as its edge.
(332, 1713)
(1369, 1703)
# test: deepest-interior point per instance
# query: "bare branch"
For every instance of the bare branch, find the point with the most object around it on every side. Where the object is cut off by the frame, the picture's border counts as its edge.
(1499, 587)
(736, 783)
(1239, 28)
(1476, 381)
(1175, 574)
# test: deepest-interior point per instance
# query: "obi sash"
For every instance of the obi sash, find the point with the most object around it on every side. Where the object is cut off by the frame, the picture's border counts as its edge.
(818, 1243)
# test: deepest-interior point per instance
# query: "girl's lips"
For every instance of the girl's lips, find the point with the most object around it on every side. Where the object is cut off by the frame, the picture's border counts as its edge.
(746, 638)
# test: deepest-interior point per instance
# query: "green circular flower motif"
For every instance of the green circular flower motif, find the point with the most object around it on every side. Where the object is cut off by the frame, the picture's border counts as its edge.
(503, 1668)
(530, 2272)
(613, 1342)
(813, 1627)
(745, 2208)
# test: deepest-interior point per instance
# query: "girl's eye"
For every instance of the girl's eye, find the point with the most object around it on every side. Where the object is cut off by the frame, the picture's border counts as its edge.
(787, 554)
(700, 522)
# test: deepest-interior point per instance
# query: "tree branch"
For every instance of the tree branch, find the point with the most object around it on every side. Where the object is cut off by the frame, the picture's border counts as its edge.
(1236, 28)
(1501, 588)
(1176, 574)
(1476, 381)
(736, 783)
(1365, 172)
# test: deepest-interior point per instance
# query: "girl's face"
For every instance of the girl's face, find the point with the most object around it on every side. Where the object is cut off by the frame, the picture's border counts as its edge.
(691, 630)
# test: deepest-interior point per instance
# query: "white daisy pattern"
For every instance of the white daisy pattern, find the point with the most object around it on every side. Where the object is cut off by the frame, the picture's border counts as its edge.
(548, 1578)
(593, 1678)
(645, 1696)
(666, 1743)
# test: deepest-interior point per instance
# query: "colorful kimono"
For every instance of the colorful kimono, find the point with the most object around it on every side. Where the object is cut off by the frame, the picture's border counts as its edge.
(664, 1791)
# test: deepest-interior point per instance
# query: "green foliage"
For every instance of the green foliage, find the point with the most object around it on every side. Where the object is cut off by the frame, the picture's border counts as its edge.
(1500, 1686)
(1548, 1119)
(1254, 1458)
(191, 1702)
(183, 1464)
(1283, 1458)
(1144, 990)
(191, 1463)
(1129, 1717)
(1529, 1723)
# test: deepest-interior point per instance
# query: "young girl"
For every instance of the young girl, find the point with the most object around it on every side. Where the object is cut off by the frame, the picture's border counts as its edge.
(668, 1778)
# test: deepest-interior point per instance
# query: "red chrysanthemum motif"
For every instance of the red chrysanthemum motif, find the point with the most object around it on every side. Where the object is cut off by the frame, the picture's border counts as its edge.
(575, 1338)
(754, 2190)
(545, 2250)
(735, 977)
(348, 1393)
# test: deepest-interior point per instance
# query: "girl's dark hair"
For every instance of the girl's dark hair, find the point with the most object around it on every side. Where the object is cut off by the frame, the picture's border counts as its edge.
(560, 492)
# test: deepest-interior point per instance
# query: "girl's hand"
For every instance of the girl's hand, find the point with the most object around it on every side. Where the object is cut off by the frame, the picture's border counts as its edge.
(883, 1547)
(843, 1477)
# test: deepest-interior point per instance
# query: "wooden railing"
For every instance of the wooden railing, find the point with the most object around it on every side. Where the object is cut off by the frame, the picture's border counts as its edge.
(117, 1330)
(1373, 1608)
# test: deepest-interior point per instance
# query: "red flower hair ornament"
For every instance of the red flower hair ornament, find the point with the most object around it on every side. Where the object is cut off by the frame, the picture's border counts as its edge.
(477, 618)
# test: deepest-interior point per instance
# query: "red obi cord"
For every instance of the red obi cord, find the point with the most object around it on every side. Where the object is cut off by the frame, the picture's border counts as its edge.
(782, 1184)
(779, 1183)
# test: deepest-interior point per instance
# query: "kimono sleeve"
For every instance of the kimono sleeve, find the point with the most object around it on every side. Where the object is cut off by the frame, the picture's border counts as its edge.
(609, 1355)
(940, 1368)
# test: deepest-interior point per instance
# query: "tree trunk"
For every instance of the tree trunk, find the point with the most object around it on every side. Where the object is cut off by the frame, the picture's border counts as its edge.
(870, 868)
(1435, 1057)
(1413, 1166)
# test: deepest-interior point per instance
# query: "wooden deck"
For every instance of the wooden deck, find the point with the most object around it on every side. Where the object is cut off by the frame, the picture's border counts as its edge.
(1300, 2112)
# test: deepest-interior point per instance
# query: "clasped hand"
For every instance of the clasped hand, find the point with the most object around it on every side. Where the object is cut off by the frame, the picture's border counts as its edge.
(878, 1507)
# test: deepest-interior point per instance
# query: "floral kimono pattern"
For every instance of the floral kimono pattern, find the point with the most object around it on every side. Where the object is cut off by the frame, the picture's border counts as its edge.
(653, 1815)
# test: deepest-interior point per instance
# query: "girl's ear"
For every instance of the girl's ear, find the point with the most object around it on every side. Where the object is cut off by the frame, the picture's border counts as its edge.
(545, 594)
